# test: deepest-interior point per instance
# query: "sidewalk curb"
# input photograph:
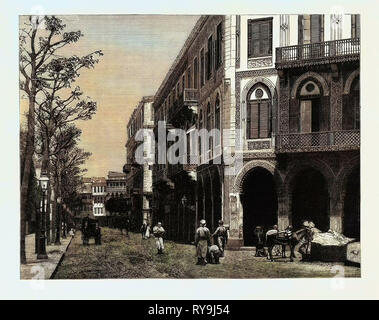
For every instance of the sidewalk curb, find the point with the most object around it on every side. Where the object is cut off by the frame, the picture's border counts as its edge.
(60, 260)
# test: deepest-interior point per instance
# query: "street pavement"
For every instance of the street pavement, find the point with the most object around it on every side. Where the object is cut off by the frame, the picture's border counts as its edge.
(42, 269)
(122, 257)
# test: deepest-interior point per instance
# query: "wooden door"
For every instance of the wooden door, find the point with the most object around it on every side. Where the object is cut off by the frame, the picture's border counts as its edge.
(306, 116)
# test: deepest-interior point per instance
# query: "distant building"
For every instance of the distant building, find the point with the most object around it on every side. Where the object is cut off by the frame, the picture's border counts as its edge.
(86, 196)
(99, 196)
(139, 177)
(93, 196)
(116, 184)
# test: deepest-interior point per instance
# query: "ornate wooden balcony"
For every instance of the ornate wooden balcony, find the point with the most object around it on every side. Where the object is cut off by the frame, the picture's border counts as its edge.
(184, 109)
(318, 53)
(318, 141)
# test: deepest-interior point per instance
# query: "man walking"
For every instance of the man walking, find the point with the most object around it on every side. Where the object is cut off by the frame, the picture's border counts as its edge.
(158, 233)
(143, 230)
(222, 237)
(126, 225)
(202, 241)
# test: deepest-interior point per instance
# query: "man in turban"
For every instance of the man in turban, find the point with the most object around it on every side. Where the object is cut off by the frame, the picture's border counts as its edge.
(202, 241)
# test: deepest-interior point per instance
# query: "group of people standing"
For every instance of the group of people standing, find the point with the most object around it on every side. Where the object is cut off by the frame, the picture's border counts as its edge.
(205, 251)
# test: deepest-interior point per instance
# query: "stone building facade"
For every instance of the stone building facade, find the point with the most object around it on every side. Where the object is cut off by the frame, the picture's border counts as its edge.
(287, 89)
(86, 197)
(116, 184)
(99, 196)
(194, 84)
(139, 175)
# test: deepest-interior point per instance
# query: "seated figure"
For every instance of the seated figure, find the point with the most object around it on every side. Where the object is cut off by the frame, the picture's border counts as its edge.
(214, 254)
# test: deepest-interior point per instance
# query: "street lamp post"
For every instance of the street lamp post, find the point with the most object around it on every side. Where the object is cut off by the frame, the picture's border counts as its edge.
(38, 227)
(43, 181)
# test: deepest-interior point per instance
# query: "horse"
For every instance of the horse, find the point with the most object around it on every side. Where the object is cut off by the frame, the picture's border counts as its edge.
(287, 238)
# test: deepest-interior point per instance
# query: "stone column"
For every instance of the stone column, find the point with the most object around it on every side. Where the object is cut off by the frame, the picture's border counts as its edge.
(236, 221)
(336, 209)
(283, 209)
(211, 223)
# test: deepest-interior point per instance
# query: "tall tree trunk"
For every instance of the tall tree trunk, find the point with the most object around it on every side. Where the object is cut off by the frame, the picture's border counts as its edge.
(48, 209)
(54, 214)
(59, 194)
(46, 165)
(29, 151)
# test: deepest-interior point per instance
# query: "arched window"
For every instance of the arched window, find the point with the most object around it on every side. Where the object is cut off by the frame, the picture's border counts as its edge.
(201, 123)
(218, 119)
(209, 124)
(351, 107)
(313, 113)
(209, 117)
(258, 113)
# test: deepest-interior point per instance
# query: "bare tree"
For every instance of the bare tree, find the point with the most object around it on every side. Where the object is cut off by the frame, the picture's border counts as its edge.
(64, 138)
(42, 74)
(66, 162)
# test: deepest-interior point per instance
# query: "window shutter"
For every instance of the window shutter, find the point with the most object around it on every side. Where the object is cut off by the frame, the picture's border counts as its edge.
(248, 120)
(263, 119)
(249, 39)
(316, 28)
(214, 49)
(353, 27)
(256, 39)
(294, 116)
(306, 116)
(210, 56)
(195, 73)
(254, 124)
(358, 26)
(264, 38)
(270, 38)
(321, 27)
(300, 29)
(207, 64)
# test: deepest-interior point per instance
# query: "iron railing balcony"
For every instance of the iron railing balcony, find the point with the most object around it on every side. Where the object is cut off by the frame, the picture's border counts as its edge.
(318, 53)
(318, 141)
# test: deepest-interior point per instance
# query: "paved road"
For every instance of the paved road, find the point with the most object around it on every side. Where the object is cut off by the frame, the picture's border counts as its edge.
(119, 257)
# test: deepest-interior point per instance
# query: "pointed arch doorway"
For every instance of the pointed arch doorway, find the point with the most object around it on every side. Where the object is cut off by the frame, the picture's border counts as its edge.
(259, 202)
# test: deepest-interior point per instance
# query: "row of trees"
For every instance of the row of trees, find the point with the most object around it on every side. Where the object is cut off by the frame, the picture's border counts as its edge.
(47, 80)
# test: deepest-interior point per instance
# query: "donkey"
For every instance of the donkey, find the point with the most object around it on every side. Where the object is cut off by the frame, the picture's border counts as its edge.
(289, 238)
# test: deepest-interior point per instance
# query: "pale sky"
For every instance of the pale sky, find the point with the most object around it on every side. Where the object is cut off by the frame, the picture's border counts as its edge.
(138, 51)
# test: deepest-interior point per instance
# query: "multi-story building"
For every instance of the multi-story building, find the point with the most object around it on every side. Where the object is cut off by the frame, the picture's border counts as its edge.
(287, 89)
(86, 197)
(193, 86)
(99, 196)
(116, 184)
(139, 175)
(318, 139)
